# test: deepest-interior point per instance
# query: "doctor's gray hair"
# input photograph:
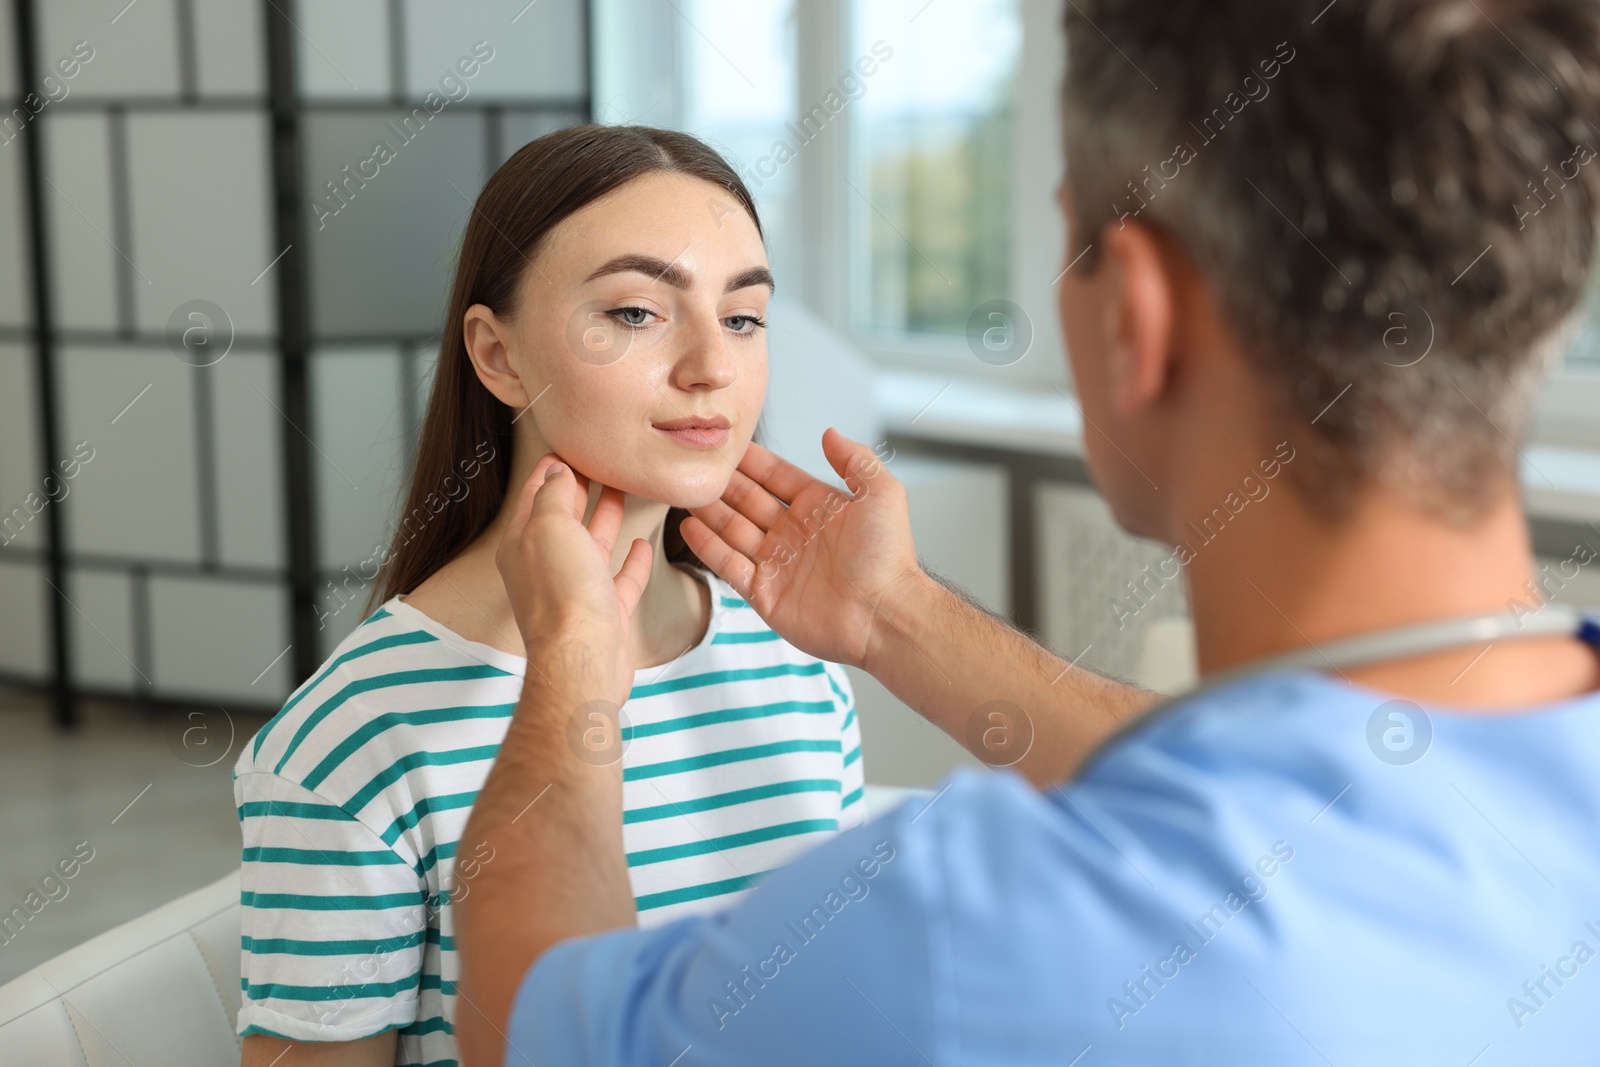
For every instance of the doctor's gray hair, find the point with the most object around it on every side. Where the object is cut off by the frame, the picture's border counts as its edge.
(1394, 202)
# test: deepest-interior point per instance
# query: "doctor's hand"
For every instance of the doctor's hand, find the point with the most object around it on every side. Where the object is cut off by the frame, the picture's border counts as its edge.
(574, 615)
(818, 564)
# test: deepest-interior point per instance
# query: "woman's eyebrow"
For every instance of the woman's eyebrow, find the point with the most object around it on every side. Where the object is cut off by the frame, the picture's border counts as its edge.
(753, 276)
(660, 270)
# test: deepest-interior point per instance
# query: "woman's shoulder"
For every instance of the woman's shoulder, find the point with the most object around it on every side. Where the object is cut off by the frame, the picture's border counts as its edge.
(393, 661)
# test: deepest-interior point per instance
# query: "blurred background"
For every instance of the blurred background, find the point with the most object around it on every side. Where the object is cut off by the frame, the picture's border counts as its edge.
(216, 336)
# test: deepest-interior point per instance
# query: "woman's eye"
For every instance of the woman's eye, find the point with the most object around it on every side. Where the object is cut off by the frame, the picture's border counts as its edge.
(631, 316)
(744, 323)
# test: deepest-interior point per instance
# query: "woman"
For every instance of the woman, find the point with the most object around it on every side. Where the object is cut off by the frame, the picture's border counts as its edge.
(608, 308)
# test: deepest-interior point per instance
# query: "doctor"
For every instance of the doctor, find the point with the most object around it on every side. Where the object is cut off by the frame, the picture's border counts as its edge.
(1305, 342)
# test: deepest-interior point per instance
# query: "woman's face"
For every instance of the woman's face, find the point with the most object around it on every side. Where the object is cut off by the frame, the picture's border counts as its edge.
(640, 344)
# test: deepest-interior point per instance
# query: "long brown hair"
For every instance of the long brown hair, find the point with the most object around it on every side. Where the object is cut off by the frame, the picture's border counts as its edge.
(466, 436)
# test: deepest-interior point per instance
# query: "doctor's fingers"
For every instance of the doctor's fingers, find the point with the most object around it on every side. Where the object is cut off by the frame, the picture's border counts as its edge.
(580, 500)
(605, 523)
(774, 474)
(753, 501)
(522, 511)
(740, 534)
(731, 566)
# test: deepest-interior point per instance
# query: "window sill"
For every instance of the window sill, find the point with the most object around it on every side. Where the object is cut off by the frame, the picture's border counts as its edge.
(1034, 421)
(1559, 482)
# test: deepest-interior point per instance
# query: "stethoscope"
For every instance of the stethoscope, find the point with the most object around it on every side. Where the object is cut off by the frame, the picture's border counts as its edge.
(1380, 646)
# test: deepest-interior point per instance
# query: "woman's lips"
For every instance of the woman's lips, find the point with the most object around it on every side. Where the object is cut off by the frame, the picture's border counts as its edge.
(704, 437)
(696, 434)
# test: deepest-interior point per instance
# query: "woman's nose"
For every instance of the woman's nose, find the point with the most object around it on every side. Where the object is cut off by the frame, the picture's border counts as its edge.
(705, 361)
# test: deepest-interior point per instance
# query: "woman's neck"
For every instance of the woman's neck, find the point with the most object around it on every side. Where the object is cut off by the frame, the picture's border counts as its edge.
(467, 594)
(675, 609)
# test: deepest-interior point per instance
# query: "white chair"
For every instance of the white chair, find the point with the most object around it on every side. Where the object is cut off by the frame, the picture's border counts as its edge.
(1166, 657)
(162, 989)
(881, 799)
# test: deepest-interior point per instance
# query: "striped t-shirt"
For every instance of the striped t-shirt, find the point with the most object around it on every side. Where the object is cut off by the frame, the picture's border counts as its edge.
(739, 753)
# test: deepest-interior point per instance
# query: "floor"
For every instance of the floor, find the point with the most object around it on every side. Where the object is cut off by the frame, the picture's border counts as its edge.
(150, 793)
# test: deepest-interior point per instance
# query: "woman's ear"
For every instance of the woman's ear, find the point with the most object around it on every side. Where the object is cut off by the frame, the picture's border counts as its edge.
(1142, 356)
(488, 341)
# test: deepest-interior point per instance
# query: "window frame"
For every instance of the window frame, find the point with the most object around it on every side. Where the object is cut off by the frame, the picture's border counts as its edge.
(825, 45)
(1567, 409)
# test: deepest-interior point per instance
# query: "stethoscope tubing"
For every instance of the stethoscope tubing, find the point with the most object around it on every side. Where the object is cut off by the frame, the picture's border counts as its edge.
(1378, 646)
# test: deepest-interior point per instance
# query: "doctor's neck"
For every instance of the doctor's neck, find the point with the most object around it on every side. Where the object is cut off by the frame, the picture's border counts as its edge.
(1294, 579)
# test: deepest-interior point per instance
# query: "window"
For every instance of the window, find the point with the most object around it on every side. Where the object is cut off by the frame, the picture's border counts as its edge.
(879, 139)
(738, 94)
(1565, 414)
(931, 159)
(1584, 351)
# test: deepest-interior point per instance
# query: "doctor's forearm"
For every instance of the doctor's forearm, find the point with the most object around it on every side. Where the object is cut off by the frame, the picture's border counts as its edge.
(995, 690)
(550, 815)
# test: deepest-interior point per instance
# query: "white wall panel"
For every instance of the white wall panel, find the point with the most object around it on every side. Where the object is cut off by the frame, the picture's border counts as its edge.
(538, 48)
(230, 47)
(84, 258)
(201, 216)
(383, 248)
(343, 48)
(135, 47)
(24, 622)
(212, 638)
(21, 473)
(138, 495)
(249, 460)
(101, 622)
(9, 60)
(16, 289)
(356, 426)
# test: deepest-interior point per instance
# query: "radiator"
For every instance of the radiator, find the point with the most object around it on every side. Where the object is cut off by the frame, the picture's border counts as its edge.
(1100, 590)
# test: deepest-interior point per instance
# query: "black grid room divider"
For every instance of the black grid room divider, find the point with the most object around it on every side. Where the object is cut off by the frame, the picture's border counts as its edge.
(227, 231)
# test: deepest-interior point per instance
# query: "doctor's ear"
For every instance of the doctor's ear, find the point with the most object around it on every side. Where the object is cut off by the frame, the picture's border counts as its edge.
(488, 341)
(1140, 315)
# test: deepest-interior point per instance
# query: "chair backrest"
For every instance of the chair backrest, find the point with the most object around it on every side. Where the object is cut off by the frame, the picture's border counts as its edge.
(162, 989)
(1167, 657)
(880, 799)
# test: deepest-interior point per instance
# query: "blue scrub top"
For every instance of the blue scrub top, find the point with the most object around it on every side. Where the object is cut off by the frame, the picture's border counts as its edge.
(1290, 870)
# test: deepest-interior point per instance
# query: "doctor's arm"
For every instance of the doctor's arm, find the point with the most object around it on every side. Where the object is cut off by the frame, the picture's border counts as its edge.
(552, 820)
(836, 574)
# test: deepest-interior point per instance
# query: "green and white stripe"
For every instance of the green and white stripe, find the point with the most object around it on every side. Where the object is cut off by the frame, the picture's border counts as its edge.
(352, 801)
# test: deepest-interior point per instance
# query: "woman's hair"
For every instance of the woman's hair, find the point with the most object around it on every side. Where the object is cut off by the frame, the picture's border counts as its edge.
(540, 185)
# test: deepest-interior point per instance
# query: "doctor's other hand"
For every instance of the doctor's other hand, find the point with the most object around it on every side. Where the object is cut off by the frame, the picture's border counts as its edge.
(823, 567)
(574, 615)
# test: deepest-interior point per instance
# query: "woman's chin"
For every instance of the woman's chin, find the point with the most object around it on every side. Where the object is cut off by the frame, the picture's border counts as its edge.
(698, 499)
(677, 489)
(689, 493)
